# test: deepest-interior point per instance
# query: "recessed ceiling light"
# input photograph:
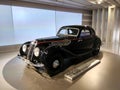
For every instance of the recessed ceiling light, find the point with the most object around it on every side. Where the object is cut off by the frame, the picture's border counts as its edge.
(93, 2)
(96, 1)
(59, 0)
(100, 1)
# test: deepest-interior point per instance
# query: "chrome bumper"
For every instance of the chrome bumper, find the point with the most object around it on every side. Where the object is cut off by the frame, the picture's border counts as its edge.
(41, 65)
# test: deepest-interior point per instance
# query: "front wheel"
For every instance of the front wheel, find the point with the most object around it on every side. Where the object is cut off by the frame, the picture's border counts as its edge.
(54, 64)
(96, 49)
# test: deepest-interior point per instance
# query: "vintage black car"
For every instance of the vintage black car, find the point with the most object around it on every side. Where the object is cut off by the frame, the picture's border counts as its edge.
(70, 42)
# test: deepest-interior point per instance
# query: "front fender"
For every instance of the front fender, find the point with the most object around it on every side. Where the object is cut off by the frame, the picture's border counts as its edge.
(56, 49)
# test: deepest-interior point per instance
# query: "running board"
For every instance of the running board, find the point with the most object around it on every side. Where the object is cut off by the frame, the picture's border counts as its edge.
(79, 55)
(76, 72)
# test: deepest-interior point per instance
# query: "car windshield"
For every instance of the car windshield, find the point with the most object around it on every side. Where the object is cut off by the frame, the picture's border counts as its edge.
(68, 31)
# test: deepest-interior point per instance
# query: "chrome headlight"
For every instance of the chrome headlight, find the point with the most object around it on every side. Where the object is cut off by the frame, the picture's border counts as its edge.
(24, 48)
(32, 42)
(36, 51)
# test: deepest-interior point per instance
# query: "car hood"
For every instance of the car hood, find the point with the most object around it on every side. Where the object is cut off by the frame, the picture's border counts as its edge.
(52, 38)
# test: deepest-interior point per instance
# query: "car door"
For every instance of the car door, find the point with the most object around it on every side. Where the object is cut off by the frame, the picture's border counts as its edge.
(86, 40)
(74, 45)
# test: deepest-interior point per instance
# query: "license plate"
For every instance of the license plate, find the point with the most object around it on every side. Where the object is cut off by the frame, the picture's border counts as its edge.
(27, 61)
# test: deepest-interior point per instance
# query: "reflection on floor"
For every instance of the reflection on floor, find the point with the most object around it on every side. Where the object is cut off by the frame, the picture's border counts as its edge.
(15, 74)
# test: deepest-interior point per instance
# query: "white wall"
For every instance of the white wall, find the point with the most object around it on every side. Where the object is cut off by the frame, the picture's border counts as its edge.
(67, 18)
(21, 24)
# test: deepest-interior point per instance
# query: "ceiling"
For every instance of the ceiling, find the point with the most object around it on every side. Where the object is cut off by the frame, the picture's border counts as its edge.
(79, 4)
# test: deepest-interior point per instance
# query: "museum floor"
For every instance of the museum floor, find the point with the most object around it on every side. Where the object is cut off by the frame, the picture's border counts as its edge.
(14, 75)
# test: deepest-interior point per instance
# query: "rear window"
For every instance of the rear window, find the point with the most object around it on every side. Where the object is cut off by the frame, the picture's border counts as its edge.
(85, 33)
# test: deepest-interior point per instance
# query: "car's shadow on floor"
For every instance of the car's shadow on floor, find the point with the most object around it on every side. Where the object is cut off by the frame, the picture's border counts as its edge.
(69, 64)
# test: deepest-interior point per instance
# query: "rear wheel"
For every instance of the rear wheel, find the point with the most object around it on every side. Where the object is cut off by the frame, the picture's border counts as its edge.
(54, 64)
(96, 49)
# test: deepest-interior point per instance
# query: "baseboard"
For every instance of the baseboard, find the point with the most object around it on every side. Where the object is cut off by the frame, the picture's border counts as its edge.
(9, 48)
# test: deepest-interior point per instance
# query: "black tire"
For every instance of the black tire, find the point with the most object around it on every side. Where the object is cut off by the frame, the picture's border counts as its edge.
(96, 49)
(54, 64)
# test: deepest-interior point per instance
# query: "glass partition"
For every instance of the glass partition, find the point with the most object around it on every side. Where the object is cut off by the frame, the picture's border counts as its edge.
(21, 24)
(31, 23)
(6, 25)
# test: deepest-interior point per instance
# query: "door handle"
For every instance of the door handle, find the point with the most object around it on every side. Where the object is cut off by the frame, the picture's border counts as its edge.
(80, 40)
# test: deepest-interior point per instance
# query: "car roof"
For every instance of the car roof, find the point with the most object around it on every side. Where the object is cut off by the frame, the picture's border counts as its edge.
(77, 26)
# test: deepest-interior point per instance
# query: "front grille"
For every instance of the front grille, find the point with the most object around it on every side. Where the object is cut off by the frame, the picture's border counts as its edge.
(30, 51)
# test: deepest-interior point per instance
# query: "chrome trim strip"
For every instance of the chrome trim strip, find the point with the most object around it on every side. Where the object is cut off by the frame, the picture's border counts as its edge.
(41, 65)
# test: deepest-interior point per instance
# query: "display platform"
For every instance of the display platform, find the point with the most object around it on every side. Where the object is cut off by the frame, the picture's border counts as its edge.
(76, 72)
(104, 76)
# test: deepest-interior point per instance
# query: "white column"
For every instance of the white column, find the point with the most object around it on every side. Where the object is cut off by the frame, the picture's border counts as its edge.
(94, 17)
(110, 26)
(116, 37)
(103, 25)
(118, 29)
(98, 23)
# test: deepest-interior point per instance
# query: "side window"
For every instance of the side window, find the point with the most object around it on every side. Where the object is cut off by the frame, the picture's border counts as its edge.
(63, 31)
(73, 31)
(85, 33)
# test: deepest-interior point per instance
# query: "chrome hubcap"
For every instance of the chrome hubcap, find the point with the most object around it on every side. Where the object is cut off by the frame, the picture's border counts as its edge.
(98, 47)
(56, 63)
